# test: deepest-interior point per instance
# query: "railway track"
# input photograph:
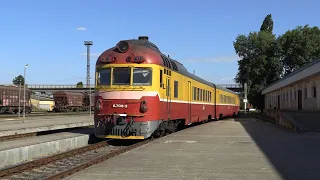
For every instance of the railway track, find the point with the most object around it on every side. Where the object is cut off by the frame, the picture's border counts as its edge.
(64, 164)
(17, 136)
(2, 116)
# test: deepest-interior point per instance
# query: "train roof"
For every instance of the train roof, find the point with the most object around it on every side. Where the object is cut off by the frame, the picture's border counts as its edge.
(66, 93)
(170, 63)
(175, 65)
(12, 87)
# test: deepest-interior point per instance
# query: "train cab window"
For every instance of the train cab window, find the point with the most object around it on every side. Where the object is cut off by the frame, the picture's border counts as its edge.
(103, 76)
(142, 77)
(161, 81)
(175, 93)
(121, 76)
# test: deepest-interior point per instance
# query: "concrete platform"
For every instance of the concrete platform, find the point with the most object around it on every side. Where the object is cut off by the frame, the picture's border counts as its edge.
(245, 149)
(26, 149)
(38, 124)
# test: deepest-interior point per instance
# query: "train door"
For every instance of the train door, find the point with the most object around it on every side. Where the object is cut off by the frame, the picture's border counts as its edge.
(189, 102)
(168, 97)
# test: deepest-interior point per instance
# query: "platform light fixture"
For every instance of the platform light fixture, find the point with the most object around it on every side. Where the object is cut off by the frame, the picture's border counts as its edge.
(24, 92)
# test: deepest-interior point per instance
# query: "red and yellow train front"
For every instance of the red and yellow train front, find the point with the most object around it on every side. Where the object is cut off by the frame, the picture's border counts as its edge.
(126, 95)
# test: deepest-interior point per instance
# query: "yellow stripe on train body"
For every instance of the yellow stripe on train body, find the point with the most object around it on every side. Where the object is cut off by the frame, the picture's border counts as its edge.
(200, 92)
(120, 137)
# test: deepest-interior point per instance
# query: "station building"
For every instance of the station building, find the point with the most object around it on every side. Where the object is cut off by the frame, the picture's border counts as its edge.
(298, 91)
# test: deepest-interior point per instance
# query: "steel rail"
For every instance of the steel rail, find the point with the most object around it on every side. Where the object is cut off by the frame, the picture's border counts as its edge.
(64, 164)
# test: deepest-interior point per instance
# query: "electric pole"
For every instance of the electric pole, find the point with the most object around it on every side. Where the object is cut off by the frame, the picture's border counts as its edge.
(245, 88)
(245, 100)
(88, 44)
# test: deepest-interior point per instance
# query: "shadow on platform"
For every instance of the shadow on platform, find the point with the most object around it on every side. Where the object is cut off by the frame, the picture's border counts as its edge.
(294, 156)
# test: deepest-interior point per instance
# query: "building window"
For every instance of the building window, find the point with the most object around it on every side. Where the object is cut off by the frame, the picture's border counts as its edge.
(175, 93)
(314, 91)
(305, 93)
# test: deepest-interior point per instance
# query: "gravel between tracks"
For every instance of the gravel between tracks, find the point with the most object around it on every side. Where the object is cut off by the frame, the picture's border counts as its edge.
(64, 164)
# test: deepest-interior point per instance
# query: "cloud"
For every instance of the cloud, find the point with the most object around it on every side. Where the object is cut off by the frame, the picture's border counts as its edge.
(91, 54)
(81, 29)
(227, 78)
(215, 59)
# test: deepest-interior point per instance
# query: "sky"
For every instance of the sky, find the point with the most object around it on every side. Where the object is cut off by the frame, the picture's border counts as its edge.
(49, 35)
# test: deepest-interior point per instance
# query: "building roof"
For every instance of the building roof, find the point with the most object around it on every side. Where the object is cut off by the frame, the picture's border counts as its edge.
(303, 72)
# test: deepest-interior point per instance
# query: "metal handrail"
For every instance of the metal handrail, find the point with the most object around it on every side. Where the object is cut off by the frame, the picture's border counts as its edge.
(231, 85)
(53, 86)
(40, 86)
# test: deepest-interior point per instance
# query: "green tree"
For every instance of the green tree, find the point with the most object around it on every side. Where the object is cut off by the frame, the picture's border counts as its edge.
(267, 24)
(79, 85)
(17, 80)
(260, 64)
(299, 47)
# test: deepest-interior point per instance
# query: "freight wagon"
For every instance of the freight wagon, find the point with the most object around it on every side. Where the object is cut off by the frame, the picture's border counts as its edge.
(9, 100)
(67, 101)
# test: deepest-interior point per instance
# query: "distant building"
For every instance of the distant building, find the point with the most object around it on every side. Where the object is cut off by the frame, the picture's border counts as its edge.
(299, 90)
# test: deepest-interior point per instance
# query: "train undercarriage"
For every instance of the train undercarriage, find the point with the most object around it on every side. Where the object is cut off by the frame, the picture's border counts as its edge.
(14, 109)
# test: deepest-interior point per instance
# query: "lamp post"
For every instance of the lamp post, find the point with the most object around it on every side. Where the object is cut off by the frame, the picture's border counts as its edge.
(24, 92)
(90, 95)
(19, 98)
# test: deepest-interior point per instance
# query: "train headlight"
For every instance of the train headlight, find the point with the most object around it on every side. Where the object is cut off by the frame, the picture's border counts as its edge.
(123, 46)
(143, 106)
(99, 105)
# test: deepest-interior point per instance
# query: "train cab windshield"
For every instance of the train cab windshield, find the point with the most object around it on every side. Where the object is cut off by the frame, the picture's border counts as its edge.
(104, 76)
(121, 76)
(141, 76)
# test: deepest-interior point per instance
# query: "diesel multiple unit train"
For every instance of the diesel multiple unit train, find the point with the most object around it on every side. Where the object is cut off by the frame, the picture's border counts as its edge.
(140, 92)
